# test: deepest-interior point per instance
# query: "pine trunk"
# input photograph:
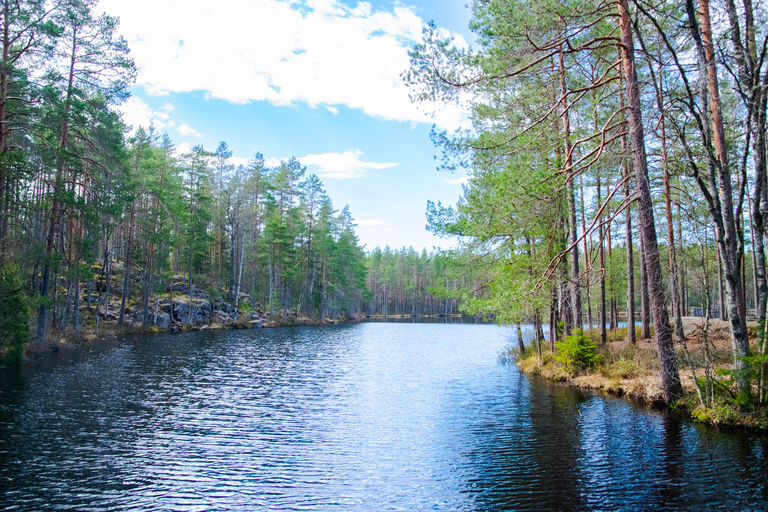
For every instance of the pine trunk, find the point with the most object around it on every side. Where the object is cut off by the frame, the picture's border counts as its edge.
(670, 377)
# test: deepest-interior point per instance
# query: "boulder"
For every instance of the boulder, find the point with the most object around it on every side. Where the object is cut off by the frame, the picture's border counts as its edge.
(163, 320)
(200, 313)
(221, 317)
(225, 307)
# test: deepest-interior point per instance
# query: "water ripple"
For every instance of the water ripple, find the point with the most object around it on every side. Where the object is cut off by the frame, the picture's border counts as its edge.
(365, 417)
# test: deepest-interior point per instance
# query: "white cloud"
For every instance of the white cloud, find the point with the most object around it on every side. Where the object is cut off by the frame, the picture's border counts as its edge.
(341, 165)
(183, 148)
(371, 222)
(457, 181)
(333, 110)
(238, 161)
(187, 130)
(318, 52)
(137, 113)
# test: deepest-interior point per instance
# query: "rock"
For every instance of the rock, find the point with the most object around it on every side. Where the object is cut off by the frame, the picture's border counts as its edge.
(226, 307)
(178, 287)
(257, 324)
(114, 310)
(222, 317)
(163, 320)
(112, 315)
(183, 287)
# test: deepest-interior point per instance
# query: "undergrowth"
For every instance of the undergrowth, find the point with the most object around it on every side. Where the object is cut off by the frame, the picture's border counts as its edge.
(624, 369)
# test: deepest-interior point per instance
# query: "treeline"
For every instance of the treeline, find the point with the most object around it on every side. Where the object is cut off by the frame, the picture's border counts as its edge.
(405, 282)
(88, 213)
(592, 122)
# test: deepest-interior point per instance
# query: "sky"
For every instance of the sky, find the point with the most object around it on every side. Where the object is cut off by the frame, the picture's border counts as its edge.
(318, 80)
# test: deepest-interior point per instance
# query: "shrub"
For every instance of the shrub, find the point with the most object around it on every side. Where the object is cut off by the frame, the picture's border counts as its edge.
(575, 353)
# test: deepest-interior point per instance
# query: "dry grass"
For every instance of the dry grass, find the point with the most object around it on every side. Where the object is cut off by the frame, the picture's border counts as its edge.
(628, 369)
(633, 370)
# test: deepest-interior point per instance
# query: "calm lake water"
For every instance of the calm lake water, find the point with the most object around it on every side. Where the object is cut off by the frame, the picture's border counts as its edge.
(374, 416)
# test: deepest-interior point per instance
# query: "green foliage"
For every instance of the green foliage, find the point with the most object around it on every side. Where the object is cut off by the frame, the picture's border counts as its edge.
(576, 353)
(720, 414)
(14, 316)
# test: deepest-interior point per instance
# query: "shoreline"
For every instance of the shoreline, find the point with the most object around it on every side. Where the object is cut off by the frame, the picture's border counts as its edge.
(71, 340)
(628, 374)
(631, 372)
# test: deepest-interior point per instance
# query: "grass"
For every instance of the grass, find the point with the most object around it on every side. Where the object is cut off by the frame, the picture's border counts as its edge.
(633, 370)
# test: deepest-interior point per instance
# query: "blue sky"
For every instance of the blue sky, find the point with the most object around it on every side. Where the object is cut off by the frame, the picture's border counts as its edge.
(314, 79)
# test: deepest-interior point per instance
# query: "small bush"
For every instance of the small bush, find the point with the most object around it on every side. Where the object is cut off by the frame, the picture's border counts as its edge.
(575, 353)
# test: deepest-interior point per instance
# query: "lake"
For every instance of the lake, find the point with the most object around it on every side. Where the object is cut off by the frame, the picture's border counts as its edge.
(373, 416)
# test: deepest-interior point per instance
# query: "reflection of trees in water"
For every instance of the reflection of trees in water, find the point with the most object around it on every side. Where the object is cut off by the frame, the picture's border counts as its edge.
(529, 459)
(562, 449)
(670, 472)
(432, 319)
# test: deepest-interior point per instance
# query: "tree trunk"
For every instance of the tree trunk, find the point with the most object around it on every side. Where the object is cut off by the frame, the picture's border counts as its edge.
(611, 288)
(232, 239)
(630, 269)
(127, 272)
(76, 305)
(681, 267)
(719, 189)
(574, 286)
(720, 294)
(587, 243)
(645, 310)
(670, 377)
(239, 275)
(42, 316)
(628, 228)
(553, 317)
(603, 320)
(673, 278)
(189, 283)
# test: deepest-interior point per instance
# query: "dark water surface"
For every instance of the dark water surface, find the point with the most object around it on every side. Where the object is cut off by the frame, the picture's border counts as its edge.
(375, 416)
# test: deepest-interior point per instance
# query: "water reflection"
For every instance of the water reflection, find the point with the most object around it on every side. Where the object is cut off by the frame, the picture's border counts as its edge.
(367, 417)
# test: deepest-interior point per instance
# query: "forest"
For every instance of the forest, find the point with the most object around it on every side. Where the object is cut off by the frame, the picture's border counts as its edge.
(617, 168)
(616, 161)
(104, 225)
